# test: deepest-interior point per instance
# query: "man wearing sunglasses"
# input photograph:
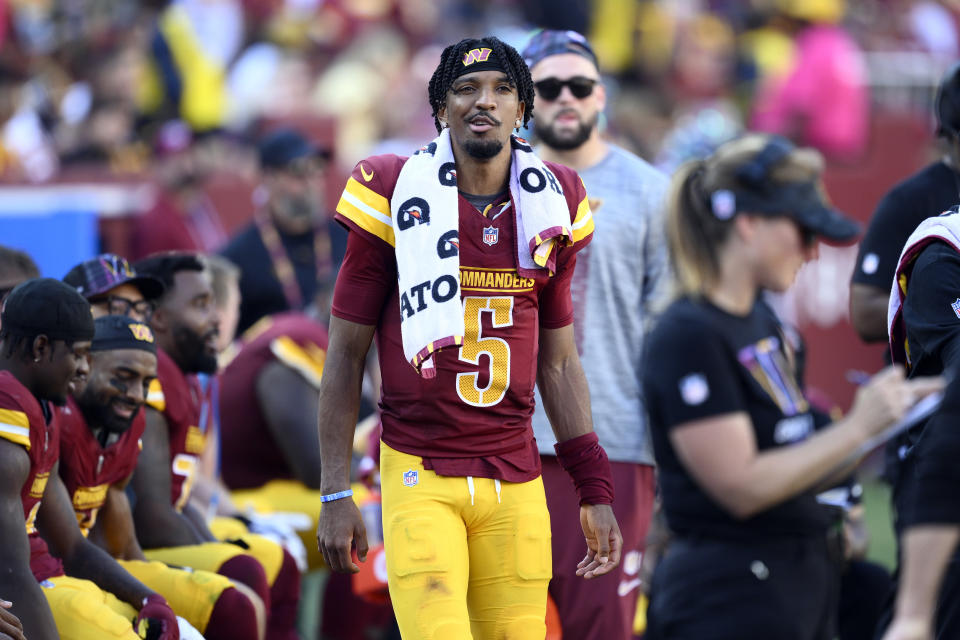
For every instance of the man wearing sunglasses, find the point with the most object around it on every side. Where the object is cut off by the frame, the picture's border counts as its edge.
(625, 272)
(112, 287)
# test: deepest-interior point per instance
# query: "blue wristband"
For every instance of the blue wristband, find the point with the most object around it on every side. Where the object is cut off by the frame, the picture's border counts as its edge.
(330, 497)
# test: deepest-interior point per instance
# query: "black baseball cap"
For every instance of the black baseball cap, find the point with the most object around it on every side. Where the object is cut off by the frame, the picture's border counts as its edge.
(805, 202)
(45, 306)
(947, 103)
(281, 147)
(94, 277)
(122, 332)
(549, 42)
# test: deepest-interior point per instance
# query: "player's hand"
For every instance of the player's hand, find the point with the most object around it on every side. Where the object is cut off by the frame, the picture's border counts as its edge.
(604, 541)
(905, 629)
(887, 396)
(340, 528)
(156, 620)
(10, 626)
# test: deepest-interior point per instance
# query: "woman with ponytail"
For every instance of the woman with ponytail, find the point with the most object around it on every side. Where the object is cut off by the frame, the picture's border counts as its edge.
(733, 435)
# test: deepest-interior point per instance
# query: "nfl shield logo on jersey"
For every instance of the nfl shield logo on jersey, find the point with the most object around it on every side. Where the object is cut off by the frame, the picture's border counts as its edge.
(411, 478)
(956, 307)
(490, 235)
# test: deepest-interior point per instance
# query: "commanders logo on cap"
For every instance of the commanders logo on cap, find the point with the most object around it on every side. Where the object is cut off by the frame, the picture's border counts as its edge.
(141, 331)
(476, 55)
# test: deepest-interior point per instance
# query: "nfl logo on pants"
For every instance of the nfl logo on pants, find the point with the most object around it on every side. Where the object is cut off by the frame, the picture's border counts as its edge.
(490, 235)
(410, 478)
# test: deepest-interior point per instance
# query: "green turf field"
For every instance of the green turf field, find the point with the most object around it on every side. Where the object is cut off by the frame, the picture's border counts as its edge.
(876, 500)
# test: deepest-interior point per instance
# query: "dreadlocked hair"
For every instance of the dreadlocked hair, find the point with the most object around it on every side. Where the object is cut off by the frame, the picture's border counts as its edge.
(446, 72)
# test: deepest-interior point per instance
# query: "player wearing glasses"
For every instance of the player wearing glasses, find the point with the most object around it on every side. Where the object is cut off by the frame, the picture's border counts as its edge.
(112, 287)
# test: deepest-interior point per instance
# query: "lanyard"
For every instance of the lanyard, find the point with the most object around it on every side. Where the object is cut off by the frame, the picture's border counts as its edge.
(280, 262)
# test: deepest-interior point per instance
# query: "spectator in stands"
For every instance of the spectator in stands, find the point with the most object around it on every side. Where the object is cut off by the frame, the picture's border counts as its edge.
(823, 100)
(292, 248)
(15, 267)
(182, 218)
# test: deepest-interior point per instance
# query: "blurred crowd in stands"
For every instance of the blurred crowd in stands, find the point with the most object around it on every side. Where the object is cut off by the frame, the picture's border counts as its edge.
(175, 93)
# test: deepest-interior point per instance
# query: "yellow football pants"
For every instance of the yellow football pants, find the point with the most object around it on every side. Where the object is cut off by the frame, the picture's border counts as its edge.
(191, 594)
(296, 497)
(84, 611)
(467, 558)
(210, 556)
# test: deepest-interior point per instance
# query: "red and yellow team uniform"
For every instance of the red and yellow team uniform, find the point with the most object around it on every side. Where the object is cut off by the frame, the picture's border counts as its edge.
(466, 527)
(253, 466)
(249, 456)
(88, 470)
(179, 398)
(81, 610)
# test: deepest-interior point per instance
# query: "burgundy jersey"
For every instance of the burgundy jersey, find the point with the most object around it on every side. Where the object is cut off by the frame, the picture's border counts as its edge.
(87, 469)
(22, 421)
(249, 456)
(473, 418)
(179, 398)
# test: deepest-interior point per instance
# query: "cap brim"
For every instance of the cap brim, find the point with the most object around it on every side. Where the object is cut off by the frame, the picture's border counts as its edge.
(150, 287)
(829, 223)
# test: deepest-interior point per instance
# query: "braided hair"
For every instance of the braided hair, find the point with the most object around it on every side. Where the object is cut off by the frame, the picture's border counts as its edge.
(447, 71)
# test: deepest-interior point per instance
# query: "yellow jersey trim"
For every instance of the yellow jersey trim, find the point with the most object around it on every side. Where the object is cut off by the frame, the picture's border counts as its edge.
(368, 210)
(155, 397)
(583, 223)
(15, 427)
(307, 362)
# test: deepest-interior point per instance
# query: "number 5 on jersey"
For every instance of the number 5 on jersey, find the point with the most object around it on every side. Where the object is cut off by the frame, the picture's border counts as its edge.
(496, 349)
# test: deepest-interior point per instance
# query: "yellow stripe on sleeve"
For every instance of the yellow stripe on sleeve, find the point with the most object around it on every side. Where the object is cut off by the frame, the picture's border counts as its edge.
(583, 223)
(155, 397)
(308, 365)
(15, 427)
(367, 209)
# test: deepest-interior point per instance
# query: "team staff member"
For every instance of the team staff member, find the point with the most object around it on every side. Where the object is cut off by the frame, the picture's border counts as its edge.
(113, 287)
(466, 526)
(44, 341)
(925, 335)
(100, 441)
(170, 529)
(733, 435)
(934, 189)
(617, 280)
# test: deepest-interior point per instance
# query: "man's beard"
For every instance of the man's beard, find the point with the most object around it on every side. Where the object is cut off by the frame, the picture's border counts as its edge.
(99, 413)
(568, 140)
(192, 349)
(482, 149)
